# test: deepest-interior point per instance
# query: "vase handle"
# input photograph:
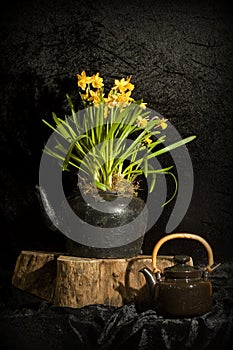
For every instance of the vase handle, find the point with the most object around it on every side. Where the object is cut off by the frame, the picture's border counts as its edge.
(209, 267)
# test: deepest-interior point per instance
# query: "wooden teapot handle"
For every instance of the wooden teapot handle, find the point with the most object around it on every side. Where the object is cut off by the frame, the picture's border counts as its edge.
(188, 236)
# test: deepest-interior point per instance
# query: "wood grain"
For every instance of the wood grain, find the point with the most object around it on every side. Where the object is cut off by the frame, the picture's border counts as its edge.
(75, 282)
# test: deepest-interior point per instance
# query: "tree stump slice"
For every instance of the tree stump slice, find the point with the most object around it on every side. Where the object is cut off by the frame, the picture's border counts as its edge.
(36, 272)
(76, 282)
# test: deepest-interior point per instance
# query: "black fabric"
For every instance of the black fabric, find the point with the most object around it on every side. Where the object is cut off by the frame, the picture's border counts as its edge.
(27, 322)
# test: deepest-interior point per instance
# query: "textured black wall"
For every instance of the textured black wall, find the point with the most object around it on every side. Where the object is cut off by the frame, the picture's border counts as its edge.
(180, 56)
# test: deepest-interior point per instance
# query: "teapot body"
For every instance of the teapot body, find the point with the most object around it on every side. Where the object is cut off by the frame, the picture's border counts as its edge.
(181, 290)
(183, 297)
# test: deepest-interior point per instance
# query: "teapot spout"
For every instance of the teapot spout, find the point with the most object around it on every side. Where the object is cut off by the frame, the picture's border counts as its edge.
(150, 278)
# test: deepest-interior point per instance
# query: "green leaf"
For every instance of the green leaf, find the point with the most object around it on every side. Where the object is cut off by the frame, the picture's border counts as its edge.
(175, 191)
(153, 182)
(101, 186)
(174, 145)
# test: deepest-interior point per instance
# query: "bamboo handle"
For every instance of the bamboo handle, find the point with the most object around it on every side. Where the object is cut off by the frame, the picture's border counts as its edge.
(183, 235)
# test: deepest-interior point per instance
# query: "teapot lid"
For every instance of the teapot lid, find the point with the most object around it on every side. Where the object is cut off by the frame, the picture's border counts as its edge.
(181, 269)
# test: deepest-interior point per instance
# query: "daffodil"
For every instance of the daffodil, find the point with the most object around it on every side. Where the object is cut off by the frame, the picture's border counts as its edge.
(112, 98)
(148, 140)
(143, 105)
(141, 121)
(121, 85)
(162, 123)
(95, 97)
(129, 86)
(83, 80)
(97, 81)
(124, 97)
(86, 95)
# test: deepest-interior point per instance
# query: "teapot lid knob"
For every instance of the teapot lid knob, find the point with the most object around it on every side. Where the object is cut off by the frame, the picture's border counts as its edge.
(181, 270)
(181, 259)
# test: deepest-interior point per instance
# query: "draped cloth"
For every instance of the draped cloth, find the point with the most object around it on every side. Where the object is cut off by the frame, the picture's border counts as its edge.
(27, 322)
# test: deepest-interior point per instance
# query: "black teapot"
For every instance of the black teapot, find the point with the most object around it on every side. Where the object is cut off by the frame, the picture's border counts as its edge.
(181, 290)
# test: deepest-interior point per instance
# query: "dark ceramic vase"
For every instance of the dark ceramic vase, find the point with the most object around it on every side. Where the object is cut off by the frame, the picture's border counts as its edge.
(116, 218)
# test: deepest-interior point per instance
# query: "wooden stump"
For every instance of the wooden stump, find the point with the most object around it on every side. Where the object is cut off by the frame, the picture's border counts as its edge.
(76, 282)
(36, 273)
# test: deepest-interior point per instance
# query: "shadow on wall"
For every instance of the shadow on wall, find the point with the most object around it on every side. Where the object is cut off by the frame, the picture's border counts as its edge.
(25, 100)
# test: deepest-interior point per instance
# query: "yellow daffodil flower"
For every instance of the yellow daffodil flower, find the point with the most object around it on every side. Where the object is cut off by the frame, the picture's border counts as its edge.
(148, 140)
(121, 85)
(162, 123)
(97, 81)
(129, 86)
(111, 100)
(141, 121)
(86, 95)
(143, 105)
(83, 80)
(95, 97)
(124, 97)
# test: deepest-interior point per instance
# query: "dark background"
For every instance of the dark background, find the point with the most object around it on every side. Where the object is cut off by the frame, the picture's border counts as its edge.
(179, 54)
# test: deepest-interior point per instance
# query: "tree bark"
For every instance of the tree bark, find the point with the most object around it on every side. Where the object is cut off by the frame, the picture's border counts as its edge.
(75, 282)
(35, 272)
